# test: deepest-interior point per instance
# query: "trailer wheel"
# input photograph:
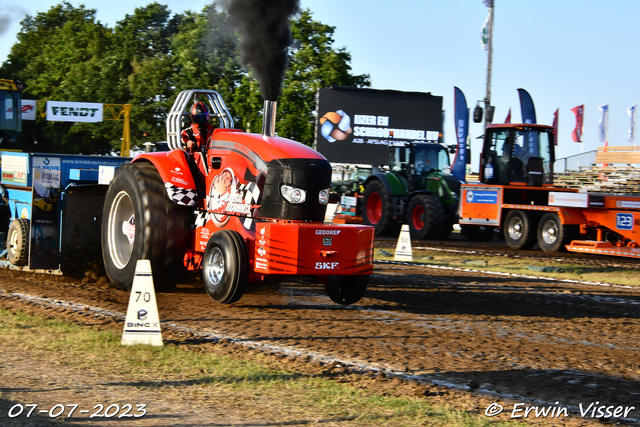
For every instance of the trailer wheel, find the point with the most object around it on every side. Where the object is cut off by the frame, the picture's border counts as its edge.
(377, 209)
(225, 266)
(140, 222)
(18, 242)
(518, 230)
(346, 290)
(552, 235)
(427, 219)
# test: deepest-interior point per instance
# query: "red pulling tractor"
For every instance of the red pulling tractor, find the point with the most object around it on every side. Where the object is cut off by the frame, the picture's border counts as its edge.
(249, 207)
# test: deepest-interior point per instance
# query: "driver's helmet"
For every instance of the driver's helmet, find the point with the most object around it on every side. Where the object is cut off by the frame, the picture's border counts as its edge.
(199, 113)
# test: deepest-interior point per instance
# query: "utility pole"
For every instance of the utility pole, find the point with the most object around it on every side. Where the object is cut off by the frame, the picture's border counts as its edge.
(487, 100)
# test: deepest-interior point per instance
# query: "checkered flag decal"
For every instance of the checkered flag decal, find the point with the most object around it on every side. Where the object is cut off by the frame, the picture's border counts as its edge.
(181, 196)
(200, 218)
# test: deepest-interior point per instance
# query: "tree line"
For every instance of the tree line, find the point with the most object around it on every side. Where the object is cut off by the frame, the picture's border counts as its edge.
(65, 54)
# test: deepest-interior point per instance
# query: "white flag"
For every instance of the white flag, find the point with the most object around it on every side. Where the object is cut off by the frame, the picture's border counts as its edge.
(603, 125)
(484, 33)
(632, 126)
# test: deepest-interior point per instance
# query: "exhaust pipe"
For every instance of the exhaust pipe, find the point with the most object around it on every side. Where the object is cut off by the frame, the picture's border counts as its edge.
(269, 118)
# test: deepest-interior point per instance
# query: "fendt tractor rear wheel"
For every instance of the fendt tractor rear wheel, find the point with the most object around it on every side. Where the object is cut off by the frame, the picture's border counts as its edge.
(427, 219)
(140, 222)
(519, 230)
(377, 209)
(18, 242)
(225, 266)
(346, 290)
(553, 235)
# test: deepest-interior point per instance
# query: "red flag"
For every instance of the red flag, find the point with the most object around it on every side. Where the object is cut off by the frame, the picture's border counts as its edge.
(555, 126)
(508, 119)
(577, 132)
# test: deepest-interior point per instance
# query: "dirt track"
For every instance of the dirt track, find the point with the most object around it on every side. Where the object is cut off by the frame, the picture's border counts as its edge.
(520, 340)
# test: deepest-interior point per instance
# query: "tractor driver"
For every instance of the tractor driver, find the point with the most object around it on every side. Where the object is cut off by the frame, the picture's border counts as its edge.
(422, 163)
(196, 136)
(195, 140)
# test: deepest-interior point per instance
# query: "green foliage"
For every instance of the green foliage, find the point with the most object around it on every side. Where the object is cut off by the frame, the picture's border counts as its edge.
(65, 54)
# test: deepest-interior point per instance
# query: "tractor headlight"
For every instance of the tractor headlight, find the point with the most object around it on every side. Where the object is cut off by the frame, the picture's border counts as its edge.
(293, 194)
(323, 196)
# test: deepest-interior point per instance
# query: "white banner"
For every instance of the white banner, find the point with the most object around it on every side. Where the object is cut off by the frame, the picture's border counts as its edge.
(86, 112)
(603, 125)
(632, 126)
(28, 109)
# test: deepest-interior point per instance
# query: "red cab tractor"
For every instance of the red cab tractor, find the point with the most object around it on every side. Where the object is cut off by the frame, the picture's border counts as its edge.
(247, 208)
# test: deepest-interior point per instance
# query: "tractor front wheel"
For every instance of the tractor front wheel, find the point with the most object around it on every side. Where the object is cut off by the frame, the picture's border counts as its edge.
(225, 266)
(427, 219)
(377, 209)
(346, 290)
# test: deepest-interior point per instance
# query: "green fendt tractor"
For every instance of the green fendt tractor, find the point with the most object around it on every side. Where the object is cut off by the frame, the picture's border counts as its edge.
(418, 190)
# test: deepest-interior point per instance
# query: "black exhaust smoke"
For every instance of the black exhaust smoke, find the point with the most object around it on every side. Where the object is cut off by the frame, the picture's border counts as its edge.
(265, 36)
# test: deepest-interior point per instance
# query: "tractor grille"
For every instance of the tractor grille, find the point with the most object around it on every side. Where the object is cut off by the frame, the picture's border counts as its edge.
(311, 175)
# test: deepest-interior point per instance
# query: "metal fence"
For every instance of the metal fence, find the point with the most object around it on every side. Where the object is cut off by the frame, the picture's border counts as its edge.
(575, 162)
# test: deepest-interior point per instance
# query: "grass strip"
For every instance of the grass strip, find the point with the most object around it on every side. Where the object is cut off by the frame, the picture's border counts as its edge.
(556, 269)
(253, 388)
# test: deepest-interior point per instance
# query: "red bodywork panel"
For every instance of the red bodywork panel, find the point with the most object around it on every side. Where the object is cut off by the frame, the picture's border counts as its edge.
(313, 249)
(236, 165)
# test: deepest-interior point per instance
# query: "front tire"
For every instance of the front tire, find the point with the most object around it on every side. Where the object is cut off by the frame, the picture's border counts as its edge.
(346, 290)
(519, 230)
(18, 242)
(377, 209)
(140, 222)
(427, 219)
(552, 234)
(225, 266)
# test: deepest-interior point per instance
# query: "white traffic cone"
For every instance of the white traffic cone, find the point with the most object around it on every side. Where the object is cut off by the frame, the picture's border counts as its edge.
(142, 323)
(403, 248)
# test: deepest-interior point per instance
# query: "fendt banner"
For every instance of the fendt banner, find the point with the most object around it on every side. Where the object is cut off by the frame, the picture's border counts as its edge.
(86, 112)
(359, 125)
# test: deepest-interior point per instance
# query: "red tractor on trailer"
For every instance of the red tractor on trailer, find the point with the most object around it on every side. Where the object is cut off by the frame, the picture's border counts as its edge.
(249, 207)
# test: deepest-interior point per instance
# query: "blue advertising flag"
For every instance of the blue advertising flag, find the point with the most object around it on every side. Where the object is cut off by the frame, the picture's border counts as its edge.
(527, 107)
(461, 121)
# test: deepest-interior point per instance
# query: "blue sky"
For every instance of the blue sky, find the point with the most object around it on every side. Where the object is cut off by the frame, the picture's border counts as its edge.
(564, 53)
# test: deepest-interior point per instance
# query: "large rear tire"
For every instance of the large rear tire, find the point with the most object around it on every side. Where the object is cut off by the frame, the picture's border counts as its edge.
(140, 222)
(18, 242)
(377, 209)
(519, 230)
(225, 266)
(427, 219)
(346, 290)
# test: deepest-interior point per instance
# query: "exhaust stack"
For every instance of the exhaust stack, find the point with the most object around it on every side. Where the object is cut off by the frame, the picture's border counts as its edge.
(269, 118)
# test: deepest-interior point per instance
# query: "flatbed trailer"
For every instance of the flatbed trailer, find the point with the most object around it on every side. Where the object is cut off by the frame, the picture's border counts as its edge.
(516, 194)
(562, 218)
